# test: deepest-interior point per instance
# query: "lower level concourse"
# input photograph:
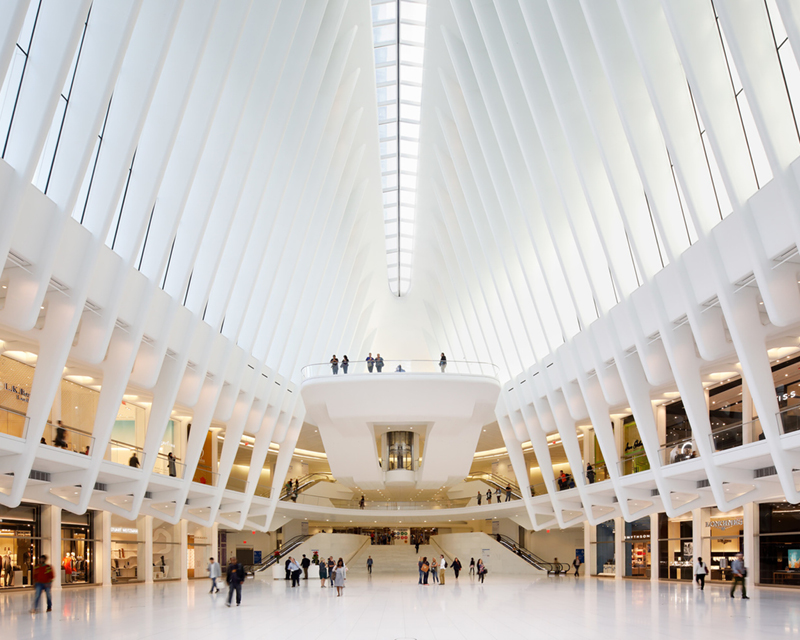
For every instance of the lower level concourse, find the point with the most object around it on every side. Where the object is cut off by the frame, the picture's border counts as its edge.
(393, 605)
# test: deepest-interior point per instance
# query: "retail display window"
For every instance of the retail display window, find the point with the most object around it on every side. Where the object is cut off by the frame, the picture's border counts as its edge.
(77, 548)
(127, 547)
(166, 551)
(20, 545)
(637, 548)
(604, 549)
(779, 543)
(723, 538)
(675, 547)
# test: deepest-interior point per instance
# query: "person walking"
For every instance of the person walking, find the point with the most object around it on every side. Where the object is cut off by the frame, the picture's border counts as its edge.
(456, 566)
(498, 494)
(345, 364)
(133, 461)
(235, 578)
(488, 496)
(362, 503)
(43, 579)
(379, 363)
(442, 362)
(331, 566)
(295, 571)
(305, 563)
(171, 466)
(214, 572)
(472, 566)
(739, 572)
(590, 473)
(416, 545)
(442, 567)
(480, 495)
(340, 575)
(369, 565)
(323, 573)
(370, 362)
(481, 570)
(508, 493)
(434, 568)
(700, 573)
(576, 564)
(335, 364)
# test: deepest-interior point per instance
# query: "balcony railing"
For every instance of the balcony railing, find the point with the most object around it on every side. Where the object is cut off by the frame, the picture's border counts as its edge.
(600, 473)
(733, 435)
(237, 484)
(789, 419)
(13, 423)
(633, 463)
(678, 451)
(361, 367)
(124, 453)
(165, 467)
(67, 438)
(204, 475)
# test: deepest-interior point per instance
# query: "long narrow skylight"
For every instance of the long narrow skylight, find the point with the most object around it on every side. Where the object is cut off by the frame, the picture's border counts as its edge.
(398, 33)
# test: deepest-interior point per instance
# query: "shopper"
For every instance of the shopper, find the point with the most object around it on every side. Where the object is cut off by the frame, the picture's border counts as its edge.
(481, 570)
(488, 496)
(287, 569)
(434, 569)
(305, 563)
(171, 466)
(331, 565)
(369, 564)
(419, 567)
(472, 566)
(379, 363)
(370, 362)
(43, 579)
(295, 571)
(498, 494)
(590, 473)
(339, 576)
(335, 364)
(134, 461)
(214, 572)
(576, 564)
(739, 574)
(323, 573)
(362, 503)
(442, 362)
(345, 363)
(508, 493)
(480, 495)
(424, 568)
(235, 578)
(456, 566)
(700, 573)
(61, 437)
(562, 481)
(442, 567)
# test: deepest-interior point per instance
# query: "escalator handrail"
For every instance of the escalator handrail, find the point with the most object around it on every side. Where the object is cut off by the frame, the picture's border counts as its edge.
(305, 481)
(530, 557)
(286, 547)
(489, 479)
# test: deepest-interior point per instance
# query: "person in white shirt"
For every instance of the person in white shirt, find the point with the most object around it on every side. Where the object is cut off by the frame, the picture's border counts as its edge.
(700, 572)
(442, 567)
(214, 572)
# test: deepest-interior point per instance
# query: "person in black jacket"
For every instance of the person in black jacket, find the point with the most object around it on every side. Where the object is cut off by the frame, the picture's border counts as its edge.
(456, 565)
(305, 563)
(286, 566)
(235, 578)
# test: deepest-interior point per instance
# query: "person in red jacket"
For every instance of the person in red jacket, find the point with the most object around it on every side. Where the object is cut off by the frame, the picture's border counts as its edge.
(42, 578)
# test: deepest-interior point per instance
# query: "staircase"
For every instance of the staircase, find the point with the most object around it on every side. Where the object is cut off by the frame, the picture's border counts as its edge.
(398, 559)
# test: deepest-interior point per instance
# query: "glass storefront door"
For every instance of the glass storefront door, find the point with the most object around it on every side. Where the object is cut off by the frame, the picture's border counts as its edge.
(675, 547)
(604, 549)
(779, 543)
(77, 548)
(637, 548)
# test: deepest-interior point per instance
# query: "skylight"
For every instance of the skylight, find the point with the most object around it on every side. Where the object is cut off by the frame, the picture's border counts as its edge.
(398, 34)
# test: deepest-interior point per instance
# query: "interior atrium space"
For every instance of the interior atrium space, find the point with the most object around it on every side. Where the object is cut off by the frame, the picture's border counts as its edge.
(497, 302)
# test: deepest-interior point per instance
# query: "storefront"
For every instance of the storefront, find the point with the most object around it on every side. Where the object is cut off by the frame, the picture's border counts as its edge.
(723, 538)
(77, 548)
(637, 548)
(166, 551)
(198, 550)
(20, 545)
(778, 544)
(675, 547)
(603, 549)
(127, 547)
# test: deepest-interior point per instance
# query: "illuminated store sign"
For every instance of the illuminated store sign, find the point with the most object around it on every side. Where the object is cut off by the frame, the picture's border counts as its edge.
(724, 524)
(123, 530)
(22, 395)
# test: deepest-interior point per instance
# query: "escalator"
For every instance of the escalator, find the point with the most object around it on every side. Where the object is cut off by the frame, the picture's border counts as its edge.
(497, 482)
(306, 482)
(530, 557)
(276, 554)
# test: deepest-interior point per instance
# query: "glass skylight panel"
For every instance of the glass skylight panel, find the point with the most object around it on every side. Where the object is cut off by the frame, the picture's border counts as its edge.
(398, 30)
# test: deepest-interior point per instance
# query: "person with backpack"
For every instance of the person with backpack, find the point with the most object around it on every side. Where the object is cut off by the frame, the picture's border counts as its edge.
(482, 571)
(235, 578)
(43, 579)
(700, 573)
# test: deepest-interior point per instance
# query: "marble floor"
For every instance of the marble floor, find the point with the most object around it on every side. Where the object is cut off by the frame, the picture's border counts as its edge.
(393, 606)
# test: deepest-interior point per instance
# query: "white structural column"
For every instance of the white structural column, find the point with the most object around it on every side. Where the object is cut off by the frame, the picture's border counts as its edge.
(655, 550)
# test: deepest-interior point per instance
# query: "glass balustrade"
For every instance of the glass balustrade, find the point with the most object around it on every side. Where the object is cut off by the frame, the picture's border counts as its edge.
(678, 451)
(124, 453)
(361, 367)
(166, 467)
(67, 438)
(13, 423)
(789, 420)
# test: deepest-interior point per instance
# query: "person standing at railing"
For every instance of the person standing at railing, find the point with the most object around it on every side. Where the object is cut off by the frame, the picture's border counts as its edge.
(61, 437)
(335, 364)
(171, 466)
(442, 362)
(345, 363)
(488, 496)
(508, 493)
(86, 450)
(370, 362)
(134, 461)
(480, 495)
(498, 494)
(590, 473)
(362, 502)
(379, 363)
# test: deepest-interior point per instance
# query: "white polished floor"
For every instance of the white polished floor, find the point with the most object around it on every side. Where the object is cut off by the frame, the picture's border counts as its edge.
(390, 607)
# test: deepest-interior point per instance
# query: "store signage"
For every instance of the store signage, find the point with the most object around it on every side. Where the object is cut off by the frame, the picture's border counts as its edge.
(786, 396)
(638, 536)
(123, 530)
(23, 395)
(724, 524)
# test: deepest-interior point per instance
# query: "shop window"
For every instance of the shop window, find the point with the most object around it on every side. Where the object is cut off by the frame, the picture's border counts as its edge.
(20, 545)
(637, 548)
(675, 548)
(77, 548)
(723, 538)
(779, 543)
(166, 551)
(633, 458)
(127, 548)
(604, 549)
